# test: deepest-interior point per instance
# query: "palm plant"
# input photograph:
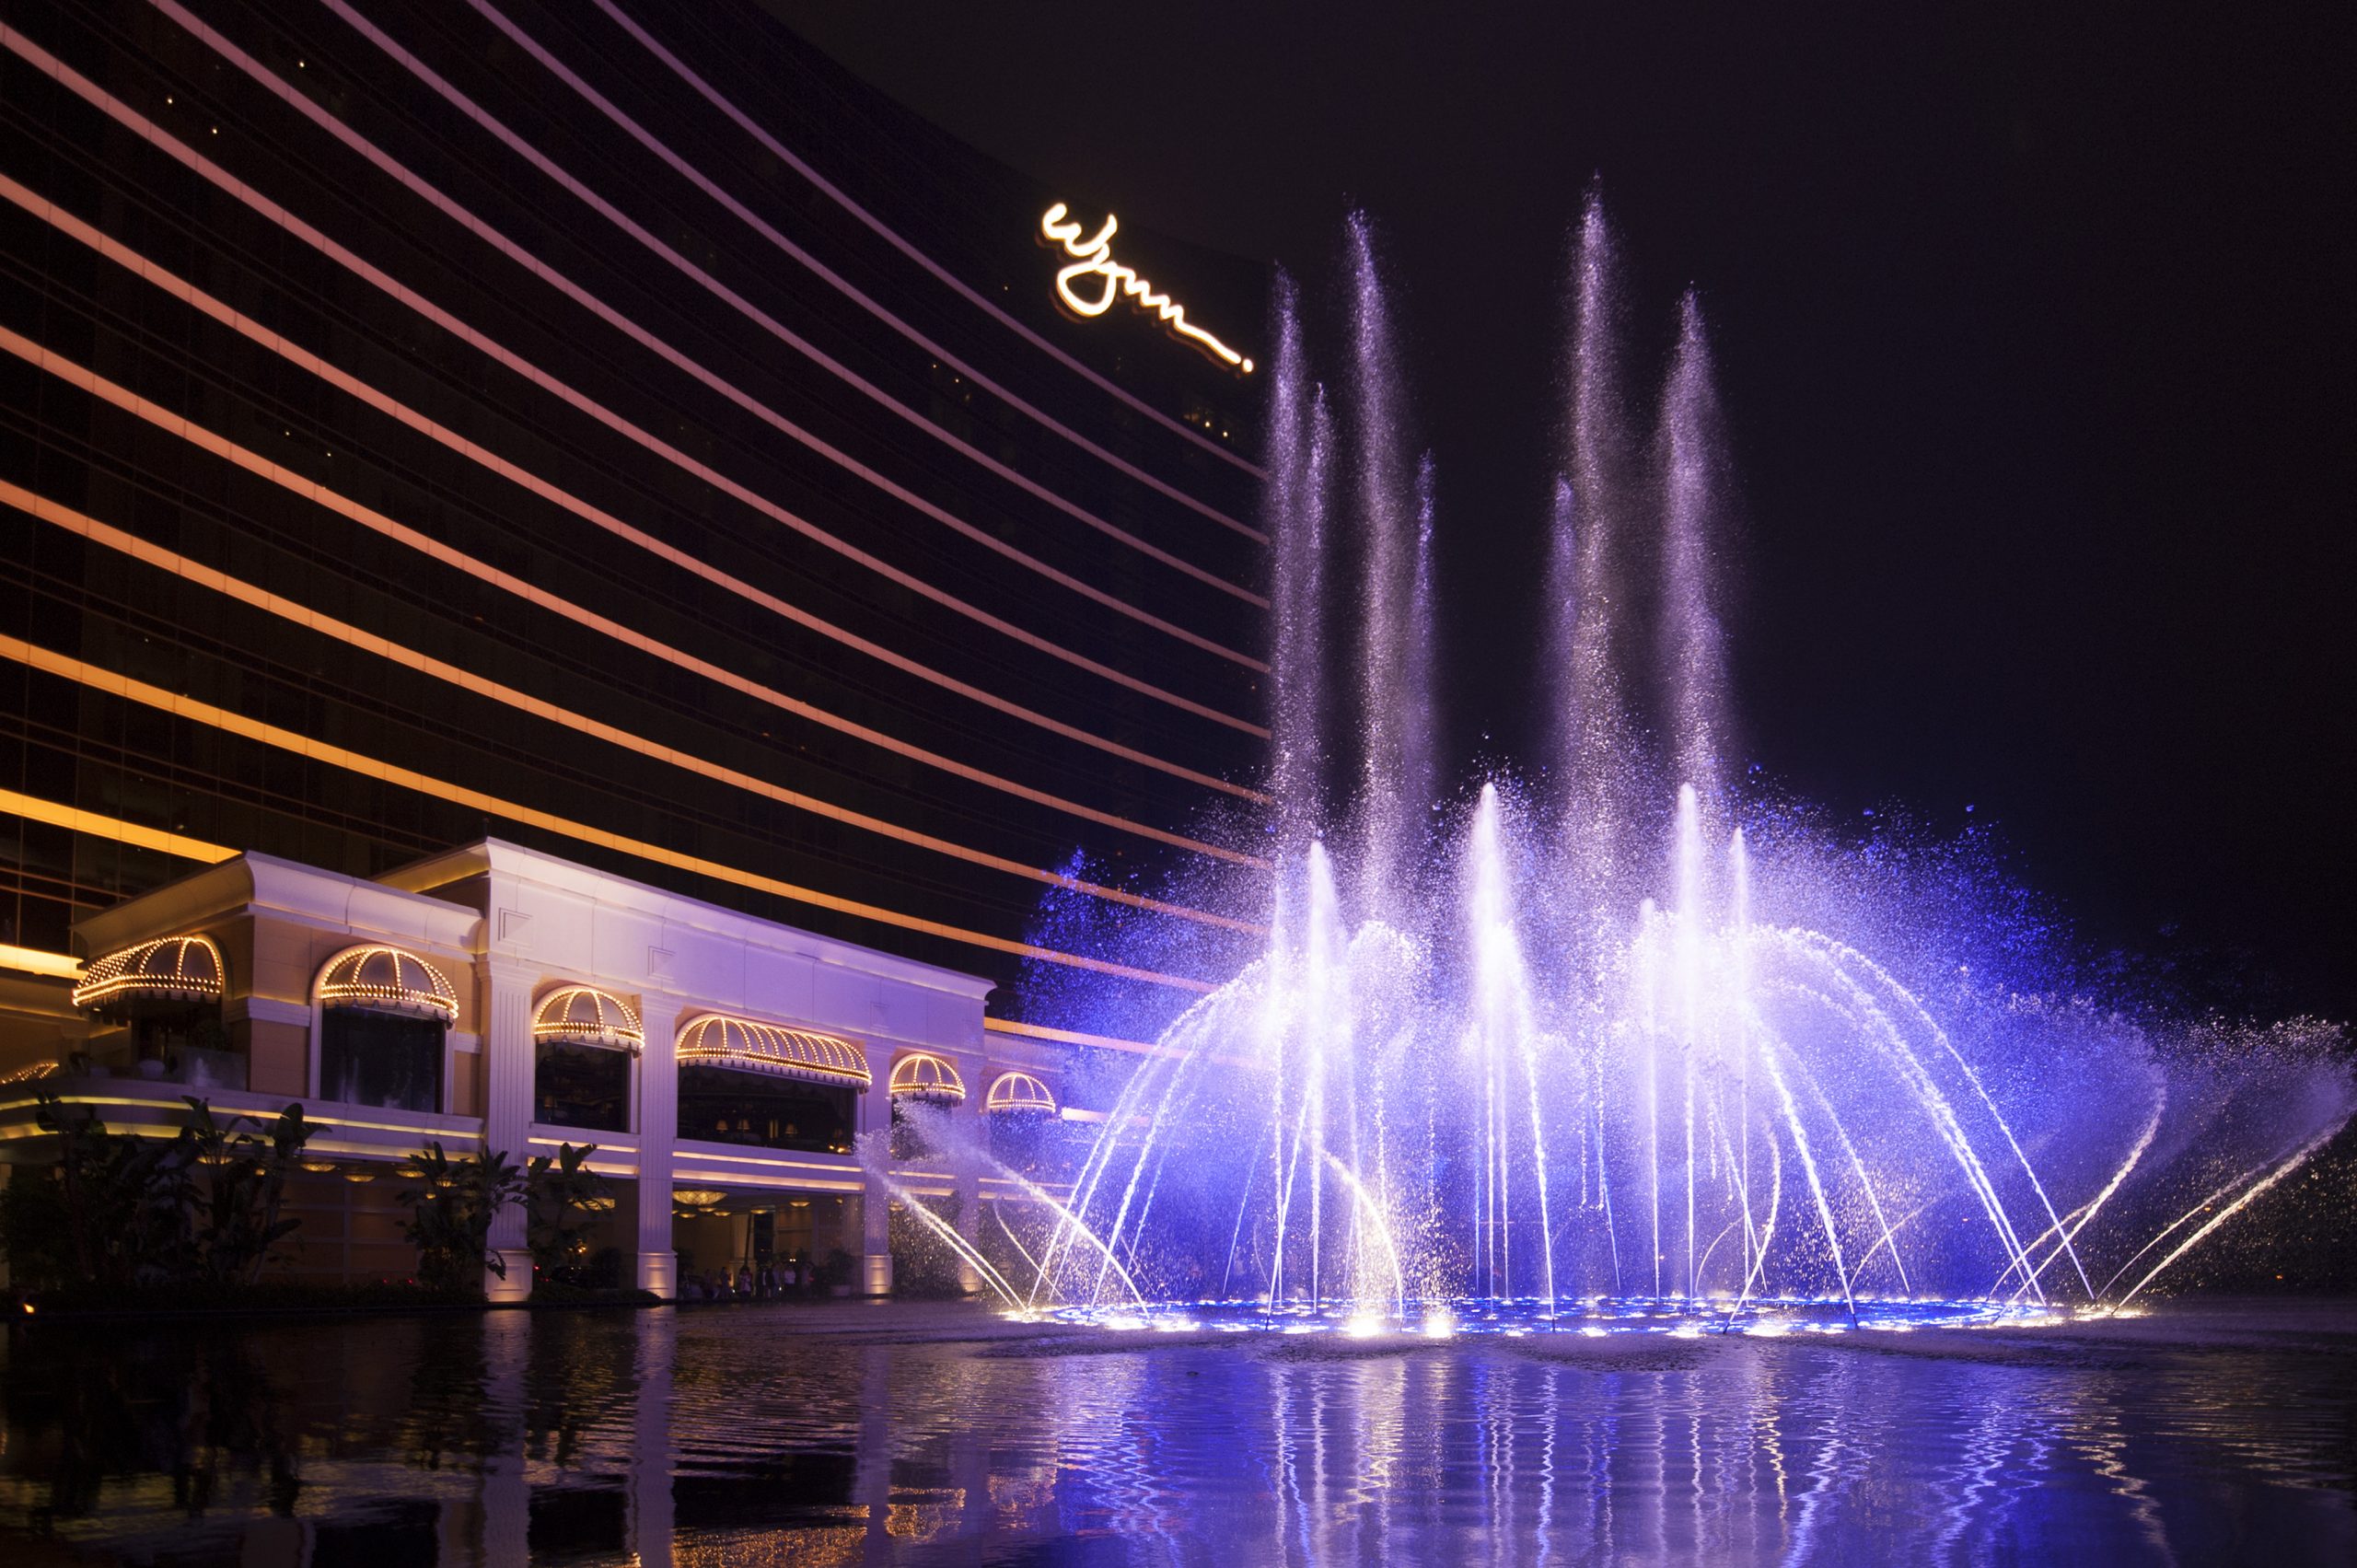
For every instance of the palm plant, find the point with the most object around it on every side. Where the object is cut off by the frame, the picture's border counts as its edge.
(561, 1195)
(246, 1185)
(128, 1201)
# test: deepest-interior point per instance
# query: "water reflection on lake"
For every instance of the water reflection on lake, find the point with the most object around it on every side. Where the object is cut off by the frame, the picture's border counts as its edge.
(906, 1434)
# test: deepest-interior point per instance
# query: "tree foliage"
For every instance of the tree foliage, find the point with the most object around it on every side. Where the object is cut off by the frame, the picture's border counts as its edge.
(451, 1206)
(245, 1187)
(126, 1209)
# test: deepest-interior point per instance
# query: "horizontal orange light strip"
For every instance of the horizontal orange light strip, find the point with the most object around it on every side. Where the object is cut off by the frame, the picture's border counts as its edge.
(288, 479)
(172, 1104)
(140, 692)
(1068, 1037)
(538, 267)
(113, 827)
(32, 960)
(164, 560)
(139, 124)
(525, 148)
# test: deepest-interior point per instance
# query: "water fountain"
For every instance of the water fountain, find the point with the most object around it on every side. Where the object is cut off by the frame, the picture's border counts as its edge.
(1624, 1048)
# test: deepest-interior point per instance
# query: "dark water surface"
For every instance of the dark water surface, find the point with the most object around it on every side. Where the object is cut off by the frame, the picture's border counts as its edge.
(2206, 1434)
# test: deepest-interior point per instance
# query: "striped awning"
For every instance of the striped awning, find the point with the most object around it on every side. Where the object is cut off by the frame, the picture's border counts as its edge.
(387, 980)
(748, 1045)
(922, 1075)
(1018, 1092)
(581, 1014)
(170, 968)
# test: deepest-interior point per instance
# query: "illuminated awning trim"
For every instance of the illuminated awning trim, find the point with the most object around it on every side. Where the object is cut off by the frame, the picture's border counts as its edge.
(922, 1075)
(170, 968)
(378, 978)
(1018, 1092)
(582, 1015)
(748, 1045)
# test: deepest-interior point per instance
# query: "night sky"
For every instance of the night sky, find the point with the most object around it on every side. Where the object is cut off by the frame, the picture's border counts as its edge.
(2032, 334)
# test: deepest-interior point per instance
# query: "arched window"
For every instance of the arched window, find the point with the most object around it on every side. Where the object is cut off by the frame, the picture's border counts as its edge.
(385, 1016)
(583, 1043)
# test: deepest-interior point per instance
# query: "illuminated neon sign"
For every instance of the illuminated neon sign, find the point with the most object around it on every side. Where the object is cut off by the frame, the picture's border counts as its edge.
(1094, 259)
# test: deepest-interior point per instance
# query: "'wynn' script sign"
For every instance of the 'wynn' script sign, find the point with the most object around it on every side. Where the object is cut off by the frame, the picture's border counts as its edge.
(1094, 279)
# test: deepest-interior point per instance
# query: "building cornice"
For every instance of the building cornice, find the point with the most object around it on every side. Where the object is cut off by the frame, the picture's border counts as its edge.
(501, 861)
(253, 884)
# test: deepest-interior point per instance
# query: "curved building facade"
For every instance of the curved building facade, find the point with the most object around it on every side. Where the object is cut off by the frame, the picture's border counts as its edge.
(609, 428)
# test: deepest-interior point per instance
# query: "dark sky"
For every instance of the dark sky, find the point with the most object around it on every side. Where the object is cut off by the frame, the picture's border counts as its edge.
(2031, 329)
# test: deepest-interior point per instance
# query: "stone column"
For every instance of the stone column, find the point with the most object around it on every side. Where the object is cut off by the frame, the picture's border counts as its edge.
(658, 1128)
(507, 1110)
(875, 1202)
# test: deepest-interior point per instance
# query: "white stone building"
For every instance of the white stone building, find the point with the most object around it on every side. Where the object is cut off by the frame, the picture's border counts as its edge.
(497, 997)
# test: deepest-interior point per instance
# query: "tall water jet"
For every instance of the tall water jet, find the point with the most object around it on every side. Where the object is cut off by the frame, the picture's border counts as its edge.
(1591, 514)
(1592, 760)
(1301, 441)
(1395, 718)
(1504, 1040)
(1695, 497)
(1694, 1008)
(1416, 778)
